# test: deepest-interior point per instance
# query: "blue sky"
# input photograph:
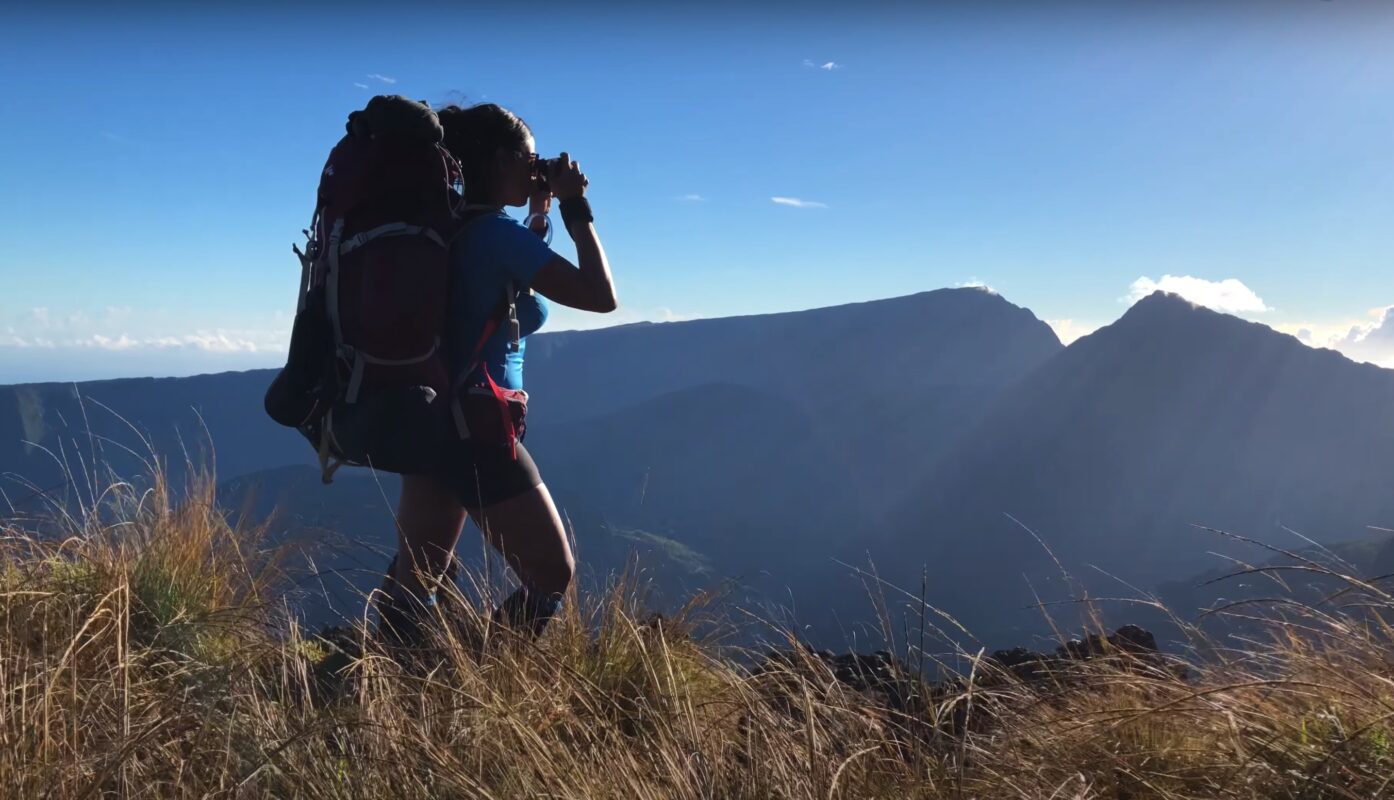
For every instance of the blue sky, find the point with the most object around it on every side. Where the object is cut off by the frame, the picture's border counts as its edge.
(158, 162)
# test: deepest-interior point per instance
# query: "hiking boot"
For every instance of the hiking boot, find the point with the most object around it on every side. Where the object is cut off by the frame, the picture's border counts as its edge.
(405, 622)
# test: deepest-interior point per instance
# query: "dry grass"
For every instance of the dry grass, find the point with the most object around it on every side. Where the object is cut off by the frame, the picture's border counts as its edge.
(143, 654)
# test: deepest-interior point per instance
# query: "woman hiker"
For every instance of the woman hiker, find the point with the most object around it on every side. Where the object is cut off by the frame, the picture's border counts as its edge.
(498, 486)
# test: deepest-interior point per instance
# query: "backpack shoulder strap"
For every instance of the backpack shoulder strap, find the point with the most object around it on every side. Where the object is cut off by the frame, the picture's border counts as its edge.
(507, 312)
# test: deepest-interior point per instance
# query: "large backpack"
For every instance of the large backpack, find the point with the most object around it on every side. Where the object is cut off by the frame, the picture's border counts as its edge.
(375, 270)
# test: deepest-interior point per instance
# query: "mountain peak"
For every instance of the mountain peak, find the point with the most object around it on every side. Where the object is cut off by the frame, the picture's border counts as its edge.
(1160, 302)
(1172, 316)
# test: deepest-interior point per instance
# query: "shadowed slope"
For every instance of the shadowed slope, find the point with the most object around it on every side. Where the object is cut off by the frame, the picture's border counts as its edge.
(1173, 415)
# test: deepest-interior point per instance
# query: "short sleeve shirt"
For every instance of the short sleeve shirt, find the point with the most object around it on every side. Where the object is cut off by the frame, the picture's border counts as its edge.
(485, 257)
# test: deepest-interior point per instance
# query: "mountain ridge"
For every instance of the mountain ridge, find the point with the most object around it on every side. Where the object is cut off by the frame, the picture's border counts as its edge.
(1111, 451)
(902, 430)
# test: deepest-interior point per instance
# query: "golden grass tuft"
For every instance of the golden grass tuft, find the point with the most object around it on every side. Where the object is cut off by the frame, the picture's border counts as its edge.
(143, 653)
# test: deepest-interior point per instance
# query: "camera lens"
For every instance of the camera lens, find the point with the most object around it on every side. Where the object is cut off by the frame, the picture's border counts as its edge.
(542, 168)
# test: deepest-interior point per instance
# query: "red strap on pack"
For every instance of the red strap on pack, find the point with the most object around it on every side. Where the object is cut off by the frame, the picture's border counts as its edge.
(490, 325)
(505, 417)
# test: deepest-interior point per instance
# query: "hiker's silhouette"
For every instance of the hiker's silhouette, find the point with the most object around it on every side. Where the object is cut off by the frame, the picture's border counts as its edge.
(389, 368)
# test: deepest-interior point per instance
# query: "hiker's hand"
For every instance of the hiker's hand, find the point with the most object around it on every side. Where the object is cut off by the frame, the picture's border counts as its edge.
(566, 178)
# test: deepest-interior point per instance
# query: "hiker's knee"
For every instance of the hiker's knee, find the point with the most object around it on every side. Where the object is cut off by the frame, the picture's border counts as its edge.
(556, 574)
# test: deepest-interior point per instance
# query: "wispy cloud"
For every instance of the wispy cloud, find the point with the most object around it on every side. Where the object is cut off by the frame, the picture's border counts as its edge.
(361, 85)
(974, 283)
(1229, 296)
(795, 202)
(827, 66)
(692, 198)
(382, 78)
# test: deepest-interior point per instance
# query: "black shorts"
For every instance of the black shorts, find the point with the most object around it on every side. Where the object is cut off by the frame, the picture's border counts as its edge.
(410, 432)
(483, 475)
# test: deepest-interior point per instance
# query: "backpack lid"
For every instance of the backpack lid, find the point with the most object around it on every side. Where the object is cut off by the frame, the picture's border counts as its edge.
(394, 117)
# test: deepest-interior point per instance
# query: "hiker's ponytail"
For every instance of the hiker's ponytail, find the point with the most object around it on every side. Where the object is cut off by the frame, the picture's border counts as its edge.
(474, 136)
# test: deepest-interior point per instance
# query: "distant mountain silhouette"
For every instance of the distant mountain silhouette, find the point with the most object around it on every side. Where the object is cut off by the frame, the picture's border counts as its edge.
(746, 447)
(769, 448)
(1174, 415)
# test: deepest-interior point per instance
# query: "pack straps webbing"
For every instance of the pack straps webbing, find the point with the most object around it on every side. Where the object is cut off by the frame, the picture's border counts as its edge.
(326, 469)
(390, 229)
(361, 360)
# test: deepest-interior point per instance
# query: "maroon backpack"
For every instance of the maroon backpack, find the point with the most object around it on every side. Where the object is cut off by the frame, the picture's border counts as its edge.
(385, 215)
(375, 272)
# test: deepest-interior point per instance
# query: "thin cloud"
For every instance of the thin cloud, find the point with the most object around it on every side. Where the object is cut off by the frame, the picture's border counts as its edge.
(794, 202)
(212, 342)
(693, 198)
(827, 66)
(382, 78)
(1229, 296)
(218, 341)
(974, 283)
(361, 85)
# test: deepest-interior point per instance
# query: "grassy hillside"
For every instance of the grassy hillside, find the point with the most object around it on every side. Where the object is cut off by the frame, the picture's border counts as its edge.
(144, 654)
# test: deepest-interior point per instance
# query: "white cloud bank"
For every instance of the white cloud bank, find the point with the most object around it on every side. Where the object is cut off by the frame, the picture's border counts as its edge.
(1370, 340)
(216, 341)
(119, 329)
(826, 66)
(794, 202)
(1229, 296)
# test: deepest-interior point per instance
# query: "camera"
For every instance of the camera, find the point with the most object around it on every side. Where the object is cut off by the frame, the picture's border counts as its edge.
(541, 168)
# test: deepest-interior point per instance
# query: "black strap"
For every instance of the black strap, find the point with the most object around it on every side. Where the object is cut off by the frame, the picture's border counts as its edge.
(507, 311)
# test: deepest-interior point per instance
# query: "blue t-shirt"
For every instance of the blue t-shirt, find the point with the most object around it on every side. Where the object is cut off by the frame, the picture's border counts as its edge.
(489, 253)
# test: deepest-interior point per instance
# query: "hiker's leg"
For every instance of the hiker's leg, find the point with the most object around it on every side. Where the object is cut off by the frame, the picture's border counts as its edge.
(429, 521)
(527, 530)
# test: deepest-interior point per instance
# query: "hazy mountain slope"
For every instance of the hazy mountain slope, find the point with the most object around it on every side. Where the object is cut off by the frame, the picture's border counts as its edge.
(1173, 415)
(885, 384)
(172, 413)
(732, 473)
(1367, 559)
(913, 344)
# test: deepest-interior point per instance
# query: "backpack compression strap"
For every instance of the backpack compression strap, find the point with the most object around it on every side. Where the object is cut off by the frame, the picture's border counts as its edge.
(507, 311)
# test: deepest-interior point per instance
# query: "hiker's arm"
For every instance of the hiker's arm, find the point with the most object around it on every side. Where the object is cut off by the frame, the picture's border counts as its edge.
(539, 205)
(588, 286)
